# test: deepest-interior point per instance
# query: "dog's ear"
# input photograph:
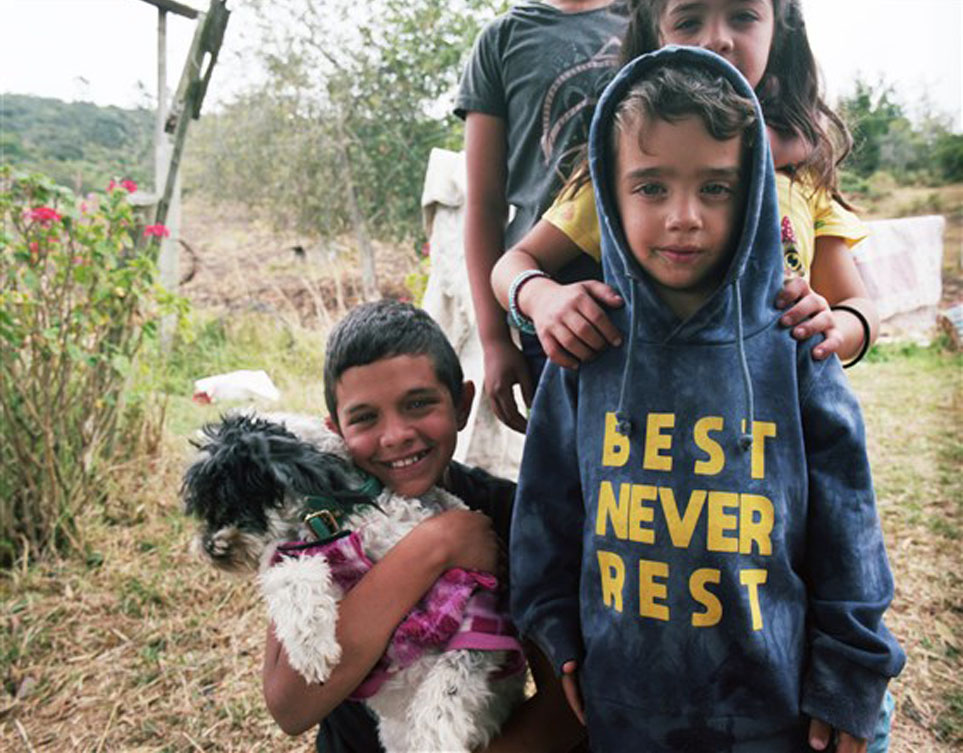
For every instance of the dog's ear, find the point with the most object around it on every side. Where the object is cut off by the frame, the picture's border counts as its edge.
(301, 467)
(233, 481)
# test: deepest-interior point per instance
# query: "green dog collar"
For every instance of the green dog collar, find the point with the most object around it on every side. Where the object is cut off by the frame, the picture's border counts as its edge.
(325, 512)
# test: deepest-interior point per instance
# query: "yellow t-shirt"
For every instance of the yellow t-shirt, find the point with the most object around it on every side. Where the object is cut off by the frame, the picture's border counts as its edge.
(805, 215)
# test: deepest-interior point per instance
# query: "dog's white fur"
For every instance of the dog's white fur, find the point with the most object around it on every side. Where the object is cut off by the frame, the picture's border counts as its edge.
(444, 701)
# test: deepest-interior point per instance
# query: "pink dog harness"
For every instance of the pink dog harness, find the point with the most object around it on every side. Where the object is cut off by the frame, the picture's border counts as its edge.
(460, 611)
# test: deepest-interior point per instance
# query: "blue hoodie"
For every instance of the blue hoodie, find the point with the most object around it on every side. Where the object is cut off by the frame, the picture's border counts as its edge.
(716, 584)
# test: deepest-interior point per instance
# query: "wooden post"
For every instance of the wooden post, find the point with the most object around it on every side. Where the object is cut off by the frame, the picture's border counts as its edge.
(190, 94)
(167, 260)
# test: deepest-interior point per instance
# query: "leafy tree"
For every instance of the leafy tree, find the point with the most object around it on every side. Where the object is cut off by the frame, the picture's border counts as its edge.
(869, 112)
(948, 152)
(886, 139)
(336, 139)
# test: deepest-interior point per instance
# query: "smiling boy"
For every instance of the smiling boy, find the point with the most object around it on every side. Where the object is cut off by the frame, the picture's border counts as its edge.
(695, 542)
(395, 392)
(399, 421)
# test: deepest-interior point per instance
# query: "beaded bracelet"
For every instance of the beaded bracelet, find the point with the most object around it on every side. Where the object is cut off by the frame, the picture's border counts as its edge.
(515, 317)
(866, 331)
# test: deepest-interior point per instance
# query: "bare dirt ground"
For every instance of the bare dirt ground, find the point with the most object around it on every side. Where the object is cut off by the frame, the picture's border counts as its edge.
(238, 263)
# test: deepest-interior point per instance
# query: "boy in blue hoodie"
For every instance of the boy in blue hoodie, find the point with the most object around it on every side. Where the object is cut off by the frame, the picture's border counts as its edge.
(695, 539)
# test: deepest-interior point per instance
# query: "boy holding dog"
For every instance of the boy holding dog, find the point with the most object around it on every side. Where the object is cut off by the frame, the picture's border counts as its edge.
(396, 394)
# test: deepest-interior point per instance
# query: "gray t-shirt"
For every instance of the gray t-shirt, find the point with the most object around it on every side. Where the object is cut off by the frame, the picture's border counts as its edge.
(542, 71)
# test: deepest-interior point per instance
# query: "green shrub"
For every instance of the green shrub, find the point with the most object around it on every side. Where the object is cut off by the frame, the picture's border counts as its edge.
(78, 300)
(416, 281)
(949, 156)
(851, 183)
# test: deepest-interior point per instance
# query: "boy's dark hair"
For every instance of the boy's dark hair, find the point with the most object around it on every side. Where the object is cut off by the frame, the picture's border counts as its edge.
(385, 329)
(674, 92)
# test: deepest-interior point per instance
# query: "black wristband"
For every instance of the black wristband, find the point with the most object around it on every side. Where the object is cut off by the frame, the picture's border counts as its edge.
(866, 331)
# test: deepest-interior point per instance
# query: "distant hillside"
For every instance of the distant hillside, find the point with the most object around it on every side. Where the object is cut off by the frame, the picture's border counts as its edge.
(79, 144)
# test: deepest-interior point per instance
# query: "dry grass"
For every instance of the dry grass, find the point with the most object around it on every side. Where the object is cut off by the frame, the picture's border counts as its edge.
(914, 414)
(138, 647)
(242, 263)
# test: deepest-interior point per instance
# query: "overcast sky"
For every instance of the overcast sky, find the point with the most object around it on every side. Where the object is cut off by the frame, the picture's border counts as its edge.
(99, 50)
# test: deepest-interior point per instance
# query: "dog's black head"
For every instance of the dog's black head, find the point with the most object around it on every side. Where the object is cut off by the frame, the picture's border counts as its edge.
(249, 484)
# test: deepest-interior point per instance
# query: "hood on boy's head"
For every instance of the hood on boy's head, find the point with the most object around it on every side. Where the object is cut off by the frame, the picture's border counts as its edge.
(755, 270)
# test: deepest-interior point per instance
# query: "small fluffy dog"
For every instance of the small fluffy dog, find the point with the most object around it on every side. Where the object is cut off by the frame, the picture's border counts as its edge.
(255, 481)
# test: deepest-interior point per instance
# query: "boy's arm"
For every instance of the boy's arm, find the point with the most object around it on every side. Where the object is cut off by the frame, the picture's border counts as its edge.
(369, 613)
(485, 214)
(547, 524)
(849, 584)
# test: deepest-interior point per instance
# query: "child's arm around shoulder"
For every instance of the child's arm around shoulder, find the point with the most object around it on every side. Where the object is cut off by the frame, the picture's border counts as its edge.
(570, 320)
(848, 579)
(370, 612)
(834, 274)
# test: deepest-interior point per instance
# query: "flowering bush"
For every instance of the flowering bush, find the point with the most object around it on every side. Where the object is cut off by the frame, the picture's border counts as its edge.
(78, 299)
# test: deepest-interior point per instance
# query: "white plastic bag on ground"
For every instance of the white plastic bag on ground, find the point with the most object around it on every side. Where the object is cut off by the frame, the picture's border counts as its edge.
(236, 385)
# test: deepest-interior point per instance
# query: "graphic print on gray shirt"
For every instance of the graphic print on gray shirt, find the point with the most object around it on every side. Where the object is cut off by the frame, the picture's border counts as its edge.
(541, 71)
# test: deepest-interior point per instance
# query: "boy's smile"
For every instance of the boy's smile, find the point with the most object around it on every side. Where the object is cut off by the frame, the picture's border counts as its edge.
(399, 421)
(679, 196)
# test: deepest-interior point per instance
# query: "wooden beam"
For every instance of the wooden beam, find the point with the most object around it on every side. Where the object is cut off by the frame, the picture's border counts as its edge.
(174, 7)
(187, 102)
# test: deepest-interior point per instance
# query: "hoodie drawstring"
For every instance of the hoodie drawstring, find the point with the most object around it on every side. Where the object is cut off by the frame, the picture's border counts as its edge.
(623, 423)
(745, 440)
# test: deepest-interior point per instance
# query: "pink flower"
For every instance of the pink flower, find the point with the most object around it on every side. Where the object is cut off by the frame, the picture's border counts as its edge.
(156, 231)
(127, 184)
(43, 215)
(426, 249)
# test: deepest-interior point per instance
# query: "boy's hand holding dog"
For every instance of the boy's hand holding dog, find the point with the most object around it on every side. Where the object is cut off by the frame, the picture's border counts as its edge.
(457, 538)
(460, 538)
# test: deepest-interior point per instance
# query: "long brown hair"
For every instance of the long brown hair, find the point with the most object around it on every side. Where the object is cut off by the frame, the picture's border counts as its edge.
(789, 92)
